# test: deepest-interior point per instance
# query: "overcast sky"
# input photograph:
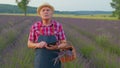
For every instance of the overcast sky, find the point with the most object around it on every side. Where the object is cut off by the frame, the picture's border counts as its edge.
(70, 5)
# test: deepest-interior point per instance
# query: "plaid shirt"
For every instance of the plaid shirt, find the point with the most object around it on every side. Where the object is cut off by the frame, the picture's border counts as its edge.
(38, 28)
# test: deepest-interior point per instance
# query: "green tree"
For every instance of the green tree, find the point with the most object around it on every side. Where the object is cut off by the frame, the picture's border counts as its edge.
(23, 5)
(116, 5)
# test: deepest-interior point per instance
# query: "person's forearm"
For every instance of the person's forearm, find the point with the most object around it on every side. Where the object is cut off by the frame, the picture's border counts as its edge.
(31, 45)
(62, 45)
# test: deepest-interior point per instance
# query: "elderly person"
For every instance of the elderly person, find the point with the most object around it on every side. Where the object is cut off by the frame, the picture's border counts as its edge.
(47, 38)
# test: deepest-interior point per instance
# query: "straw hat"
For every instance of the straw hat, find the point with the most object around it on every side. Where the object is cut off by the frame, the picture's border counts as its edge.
(45, 4)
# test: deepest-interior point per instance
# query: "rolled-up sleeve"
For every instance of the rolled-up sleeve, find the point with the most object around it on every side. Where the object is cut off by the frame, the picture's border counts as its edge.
(61, 33)
(32, 34)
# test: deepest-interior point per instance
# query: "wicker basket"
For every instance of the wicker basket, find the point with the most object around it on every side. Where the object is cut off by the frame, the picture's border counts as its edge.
(68, 58)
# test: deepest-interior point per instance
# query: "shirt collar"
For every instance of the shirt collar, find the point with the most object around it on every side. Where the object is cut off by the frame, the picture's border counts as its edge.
(51, 23)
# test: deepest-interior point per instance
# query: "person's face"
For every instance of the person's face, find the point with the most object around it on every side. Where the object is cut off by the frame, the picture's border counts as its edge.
(46, 13)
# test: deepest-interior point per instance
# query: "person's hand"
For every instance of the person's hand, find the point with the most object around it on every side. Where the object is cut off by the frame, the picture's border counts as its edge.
(41, 44)
(54, 47)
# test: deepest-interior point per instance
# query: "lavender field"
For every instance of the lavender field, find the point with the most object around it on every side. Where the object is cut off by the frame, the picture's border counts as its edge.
(97, 42)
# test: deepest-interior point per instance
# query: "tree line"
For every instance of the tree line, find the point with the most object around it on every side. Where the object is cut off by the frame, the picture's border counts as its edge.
(6, 8)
